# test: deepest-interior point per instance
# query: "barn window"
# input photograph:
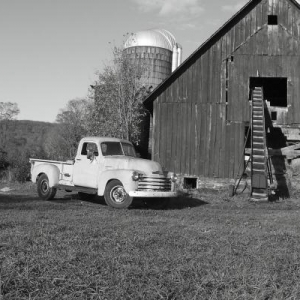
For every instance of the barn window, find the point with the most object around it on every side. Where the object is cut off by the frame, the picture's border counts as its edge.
(275, 89)
(272, 20)
(273, 115)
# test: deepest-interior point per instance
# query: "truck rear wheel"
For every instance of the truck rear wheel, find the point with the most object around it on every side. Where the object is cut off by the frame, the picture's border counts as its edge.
(44, 190)
(116, 196)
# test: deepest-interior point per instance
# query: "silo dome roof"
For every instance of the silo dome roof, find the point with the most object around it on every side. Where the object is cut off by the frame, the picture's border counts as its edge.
(152, 37)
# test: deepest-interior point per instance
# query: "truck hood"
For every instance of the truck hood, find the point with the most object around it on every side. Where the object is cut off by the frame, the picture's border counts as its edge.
(144, 166)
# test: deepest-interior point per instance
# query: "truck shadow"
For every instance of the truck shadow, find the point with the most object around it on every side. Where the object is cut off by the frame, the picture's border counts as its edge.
(183, 202)
(7, 201)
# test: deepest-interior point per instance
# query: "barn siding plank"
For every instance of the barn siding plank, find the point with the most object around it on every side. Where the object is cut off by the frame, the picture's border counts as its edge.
(203, 140)
(227, 150)
(208, 140)
(217, 137)
(230, 41)
(283, 14)
(222, 134)
(189, 137)
(253, 28)
(270, 7)
(194, 141)
(265, 11)
(247, 27)
(237, 36)
(223, 47)
(216, 83)
(231, 90)
(178, 136)
(295, 22)
(290, 98)
(163, 135)
(238, 154)
(184, 140)
(242, 149)
(174, 118)
(213, 149)
(193, 84)
(258, 13)
(290, 19)
(205, 75)
(198, 81)
(223, 83)
(199, 122)
(273, 41)
(169, 134)
(232, 158)
(157, 131)
(296, 87)
(154, 130)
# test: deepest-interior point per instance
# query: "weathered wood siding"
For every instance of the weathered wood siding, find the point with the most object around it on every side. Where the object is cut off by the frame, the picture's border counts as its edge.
(200, 117)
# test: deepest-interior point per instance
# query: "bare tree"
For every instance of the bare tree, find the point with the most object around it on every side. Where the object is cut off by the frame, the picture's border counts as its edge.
(8, 110)
(118, 110)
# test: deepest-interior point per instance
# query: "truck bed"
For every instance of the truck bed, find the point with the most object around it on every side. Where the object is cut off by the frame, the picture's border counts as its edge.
(65, 168)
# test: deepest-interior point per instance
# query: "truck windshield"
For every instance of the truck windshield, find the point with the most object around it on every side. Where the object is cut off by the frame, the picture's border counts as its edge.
(128, 149)
(117, 148)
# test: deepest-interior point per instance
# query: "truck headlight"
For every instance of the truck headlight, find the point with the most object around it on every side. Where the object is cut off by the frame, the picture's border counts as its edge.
(136, 176)
(174, 177)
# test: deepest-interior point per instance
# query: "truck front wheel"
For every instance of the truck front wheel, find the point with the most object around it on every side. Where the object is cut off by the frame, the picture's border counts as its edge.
(44, 190)
(116, 196)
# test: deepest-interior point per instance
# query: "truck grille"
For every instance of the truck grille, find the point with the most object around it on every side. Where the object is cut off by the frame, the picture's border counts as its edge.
(154, 183)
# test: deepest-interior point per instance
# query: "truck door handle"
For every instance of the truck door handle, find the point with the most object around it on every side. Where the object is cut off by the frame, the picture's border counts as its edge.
(78, 158)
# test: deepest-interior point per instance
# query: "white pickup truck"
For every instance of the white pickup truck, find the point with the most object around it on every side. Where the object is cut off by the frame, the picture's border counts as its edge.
(109, 167)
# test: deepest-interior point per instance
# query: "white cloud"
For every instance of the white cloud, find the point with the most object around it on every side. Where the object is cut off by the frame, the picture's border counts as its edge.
(186, 8)
(234, 7)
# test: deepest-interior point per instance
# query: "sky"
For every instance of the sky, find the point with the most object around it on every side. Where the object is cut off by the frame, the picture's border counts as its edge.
(50, 50)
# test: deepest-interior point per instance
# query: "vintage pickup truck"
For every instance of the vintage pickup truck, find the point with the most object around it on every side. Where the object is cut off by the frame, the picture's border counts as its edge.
(109, 167)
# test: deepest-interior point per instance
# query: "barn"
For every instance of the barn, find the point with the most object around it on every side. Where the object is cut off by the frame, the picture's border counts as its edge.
(203, 114)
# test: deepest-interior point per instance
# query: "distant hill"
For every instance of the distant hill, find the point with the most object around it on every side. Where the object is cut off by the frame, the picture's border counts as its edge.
(20, 136)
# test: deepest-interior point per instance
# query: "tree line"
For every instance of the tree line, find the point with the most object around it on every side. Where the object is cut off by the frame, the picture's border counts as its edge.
(113, 107)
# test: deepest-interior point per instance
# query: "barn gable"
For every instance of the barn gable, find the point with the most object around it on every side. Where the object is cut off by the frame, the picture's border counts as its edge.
(242, 29)
(201, 112)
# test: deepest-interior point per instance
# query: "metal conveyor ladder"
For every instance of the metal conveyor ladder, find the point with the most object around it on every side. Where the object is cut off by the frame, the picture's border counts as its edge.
(259, 155)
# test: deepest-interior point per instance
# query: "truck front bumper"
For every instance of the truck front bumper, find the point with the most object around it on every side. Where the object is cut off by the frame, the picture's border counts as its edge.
(149, 194)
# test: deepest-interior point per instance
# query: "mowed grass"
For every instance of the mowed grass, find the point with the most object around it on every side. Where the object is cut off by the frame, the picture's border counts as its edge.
(206, 248)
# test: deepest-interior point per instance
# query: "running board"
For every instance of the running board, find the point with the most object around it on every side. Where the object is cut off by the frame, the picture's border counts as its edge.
(71, 188)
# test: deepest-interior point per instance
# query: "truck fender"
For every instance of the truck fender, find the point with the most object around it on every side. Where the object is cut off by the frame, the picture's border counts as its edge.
(51, 171)
(125, 176)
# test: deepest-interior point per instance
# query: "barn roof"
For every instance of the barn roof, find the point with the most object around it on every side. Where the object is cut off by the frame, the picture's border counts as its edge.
(204, 47)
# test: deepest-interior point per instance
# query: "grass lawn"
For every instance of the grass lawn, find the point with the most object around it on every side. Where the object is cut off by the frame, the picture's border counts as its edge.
(206, 248)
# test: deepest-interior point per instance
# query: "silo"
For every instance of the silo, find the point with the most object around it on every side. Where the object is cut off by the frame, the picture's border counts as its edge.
(158, 50)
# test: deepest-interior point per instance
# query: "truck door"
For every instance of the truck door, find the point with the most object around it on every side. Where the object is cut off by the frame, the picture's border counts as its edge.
(86, 167)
